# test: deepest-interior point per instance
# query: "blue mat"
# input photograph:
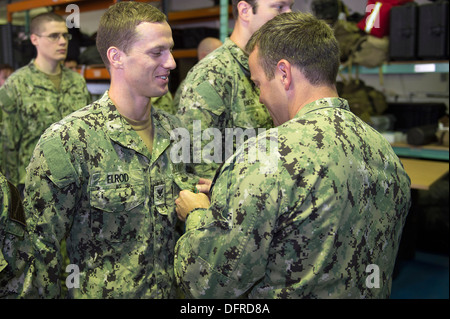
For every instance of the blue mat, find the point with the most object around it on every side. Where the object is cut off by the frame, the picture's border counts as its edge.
(424, 277)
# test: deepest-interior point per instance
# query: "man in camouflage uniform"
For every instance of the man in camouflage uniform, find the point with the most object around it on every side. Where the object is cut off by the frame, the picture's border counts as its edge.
(205, 47)
(37, 95)
(218, 90)
(164, 103)
(322, 216)
(15, 247)
(106, 186)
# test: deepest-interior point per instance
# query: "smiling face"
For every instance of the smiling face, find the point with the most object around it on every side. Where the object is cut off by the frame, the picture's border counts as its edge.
(46, 47)
(147, 64)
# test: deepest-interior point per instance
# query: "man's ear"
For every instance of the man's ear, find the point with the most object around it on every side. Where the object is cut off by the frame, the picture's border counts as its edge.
(33, 39)
(283, 73)
(244, 10)
(115, 57)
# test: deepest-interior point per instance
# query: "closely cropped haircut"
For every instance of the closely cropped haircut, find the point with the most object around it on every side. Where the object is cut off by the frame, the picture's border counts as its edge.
(118, 25)
(40, 19)
(234, 5)
(300, 38)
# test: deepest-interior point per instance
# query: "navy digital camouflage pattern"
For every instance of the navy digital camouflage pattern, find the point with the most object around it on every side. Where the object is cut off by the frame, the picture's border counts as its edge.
(307, 221)
(164, 103)
(93, 181)
(218, 92)
(16, 258)
(30, 104)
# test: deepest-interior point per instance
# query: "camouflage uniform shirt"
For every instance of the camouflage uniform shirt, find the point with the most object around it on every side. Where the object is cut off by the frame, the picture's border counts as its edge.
(93, 181)
(164, 103)
(30, 104)
(15, 247)
(218, 91)
(305, 221)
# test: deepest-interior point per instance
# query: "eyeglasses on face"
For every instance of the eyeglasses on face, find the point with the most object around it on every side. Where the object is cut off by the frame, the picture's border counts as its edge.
(56, 36)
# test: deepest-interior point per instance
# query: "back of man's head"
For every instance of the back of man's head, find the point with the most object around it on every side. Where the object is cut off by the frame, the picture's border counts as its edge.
(305, 41)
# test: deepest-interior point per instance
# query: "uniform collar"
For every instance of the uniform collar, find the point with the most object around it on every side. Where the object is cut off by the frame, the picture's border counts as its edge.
(65, 78)
(332, 102)
(121, 132)
(238, 55)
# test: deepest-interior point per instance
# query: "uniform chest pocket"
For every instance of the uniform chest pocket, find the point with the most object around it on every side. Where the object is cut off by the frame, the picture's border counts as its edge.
(117, 206)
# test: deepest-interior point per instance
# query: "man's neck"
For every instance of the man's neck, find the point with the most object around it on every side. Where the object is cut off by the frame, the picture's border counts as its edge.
(49, 67)
(137, 109)
(314, 94)
(240, 36)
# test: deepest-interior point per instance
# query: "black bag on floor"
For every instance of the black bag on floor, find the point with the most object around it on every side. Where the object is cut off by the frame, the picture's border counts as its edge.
(403, 32)
(433, 30)
(409, 115)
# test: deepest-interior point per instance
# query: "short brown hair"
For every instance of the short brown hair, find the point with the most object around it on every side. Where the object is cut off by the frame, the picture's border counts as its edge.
(118, 25)
(305, 41)
(37, 21)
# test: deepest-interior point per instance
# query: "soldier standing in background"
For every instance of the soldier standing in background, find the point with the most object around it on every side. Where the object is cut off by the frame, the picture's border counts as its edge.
(309, 221)
(218, 90)
(205, 47)
(103, 178)
(37, 95)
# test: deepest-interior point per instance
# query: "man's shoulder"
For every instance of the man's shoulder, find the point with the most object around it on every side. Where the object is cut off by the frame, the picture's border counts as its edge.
(88, 116)
(18, 85)
(217, 64)
(22, 74)
(167, 120)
